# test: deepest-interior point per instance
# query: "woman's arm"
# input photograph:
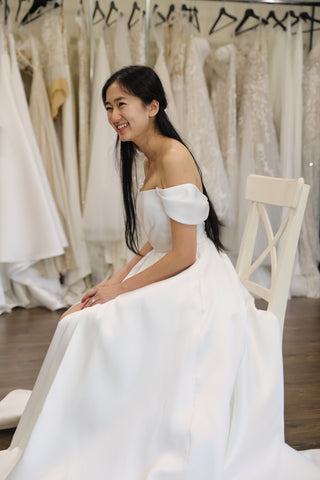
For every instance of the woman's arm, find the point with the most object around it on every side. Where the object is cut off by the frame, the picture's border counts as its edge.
(120, 275)
(182, 255)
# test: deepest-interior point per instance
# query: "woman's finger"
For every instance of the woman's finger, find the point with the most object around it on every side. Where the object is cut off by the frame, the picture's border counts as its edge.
(88, 294)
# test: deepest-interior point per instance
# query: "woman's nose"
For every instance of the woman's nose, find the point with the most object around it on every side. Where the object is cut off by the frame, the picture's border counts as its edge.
(115, 116)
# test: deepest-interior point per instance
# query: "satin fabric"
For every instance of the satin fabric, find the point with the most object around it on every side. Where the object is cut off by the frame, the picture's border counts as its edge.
(181, 379)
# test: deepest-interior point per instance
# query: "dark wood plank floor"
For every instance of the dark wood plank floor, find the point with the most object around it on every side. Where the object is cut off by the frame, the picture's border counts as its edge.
(26, 334)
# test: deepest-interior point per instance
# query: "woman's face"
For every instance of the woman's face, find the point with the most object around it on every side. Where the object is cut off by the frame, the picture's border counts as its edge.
(126, 113)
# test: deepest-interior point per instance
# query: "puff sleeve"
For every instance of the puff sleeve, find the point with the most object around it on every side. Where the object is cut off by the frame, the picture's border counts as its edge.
(184, 203)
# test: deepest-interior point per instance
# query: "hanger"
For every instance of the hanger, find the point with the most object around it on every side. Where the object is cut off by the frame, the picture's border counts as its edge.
(170, 17)
(249, 13)
(135, 7)
(6, 11)
(157, 12)
(305, 16)
(221, 14)
(193, 15)
(112, 8)
(272, 15)
(293, 15)
(37, 9)
(97, 10)
(18, 9)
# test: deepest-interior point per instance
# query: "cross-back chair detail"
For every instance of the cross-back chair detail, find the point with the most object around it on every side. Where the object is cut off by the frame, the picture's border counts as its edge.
(282, 246)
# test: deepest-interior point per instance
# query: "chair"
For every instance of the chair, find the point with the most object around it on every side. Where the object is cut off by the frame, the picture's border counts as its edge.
(282, 246)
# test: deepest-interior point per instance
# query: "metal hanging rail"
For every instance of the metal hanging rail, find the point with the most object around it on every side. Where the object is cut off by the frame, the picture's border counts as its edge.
(300, 3)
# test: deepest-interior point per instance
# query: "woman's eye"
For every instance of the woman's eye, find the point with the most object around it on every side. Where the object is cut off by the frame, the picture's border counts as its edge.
(108, 109)
(121, 104)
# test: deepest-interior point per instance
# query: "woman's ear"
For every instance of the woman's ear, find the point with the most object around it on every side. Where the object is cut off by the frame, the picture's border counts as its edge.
(153, 108)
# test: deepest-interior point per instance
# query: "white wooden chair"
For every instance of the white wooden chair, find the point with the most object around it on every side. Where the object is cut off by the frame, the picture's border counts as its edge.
(282, 245)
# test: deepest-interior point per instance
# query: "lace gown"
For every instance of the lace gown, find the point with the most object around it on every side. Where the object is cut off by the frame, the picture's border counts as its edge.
(258, 146)
(181, 378)
(223, 99)
(50, 151)
(137, 40)
(62, 105)
(163, 72)
(203, 140)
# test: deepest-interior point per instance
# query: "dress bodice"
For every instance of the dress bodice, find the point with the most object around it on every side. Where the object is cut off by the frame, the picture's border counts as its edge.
(183, 203)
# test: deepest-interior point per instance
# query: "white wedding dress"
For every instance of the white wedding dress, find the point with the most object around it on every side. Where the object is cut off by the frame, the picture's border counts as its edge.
(103, 222)
(181, 379)
(309, 244)
(203, 140)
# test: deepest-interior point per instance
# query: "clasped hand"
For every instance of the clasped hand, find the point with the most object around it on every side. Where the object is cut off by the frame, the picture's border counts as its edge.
(101, 294)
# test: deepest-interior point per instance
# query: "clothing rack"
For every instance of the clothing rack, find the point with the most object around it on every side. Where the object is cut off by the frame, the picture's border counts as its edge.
(300, 3)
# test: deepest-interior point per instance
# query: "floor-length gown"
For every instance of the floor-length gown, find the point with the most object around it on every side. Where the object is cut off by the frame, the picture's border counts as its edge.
(161, 69)
(257, 142)
(30, 226)
(46, 135)
(83, 101)
(117, 43)
(204, 140)
(291, 108)
(60, 89)
(177, 49)
(103, 226)
(137, 40)
(180, 379)
(223, 99)
(309, 244)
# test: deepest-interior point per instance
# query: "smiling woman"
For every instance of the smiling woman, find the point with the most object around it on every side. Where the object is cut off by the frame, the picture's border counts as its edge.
(167, 370)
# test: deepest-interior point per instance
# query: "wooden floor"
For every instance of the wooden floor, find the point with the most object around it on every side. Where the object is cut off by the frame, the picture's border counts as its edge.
(25, 336)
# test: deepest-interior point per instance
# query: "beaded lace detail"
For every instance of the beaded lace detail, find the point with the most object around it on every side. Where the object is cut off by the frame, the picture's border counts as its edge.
(255, 109)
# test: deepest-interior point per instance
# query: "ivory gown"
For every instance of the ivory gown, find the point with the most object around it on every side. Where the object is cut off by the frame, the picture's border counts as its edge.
(181, 379)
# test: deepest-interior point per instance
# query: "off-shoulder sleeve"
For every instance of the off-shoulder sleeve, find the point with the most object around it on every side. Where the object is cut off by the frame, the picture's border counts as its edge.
(184, 203)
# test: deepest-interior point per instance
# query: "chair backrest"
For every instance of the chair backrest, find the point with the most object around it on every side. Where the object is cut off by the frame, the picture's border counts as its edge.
(282, 245)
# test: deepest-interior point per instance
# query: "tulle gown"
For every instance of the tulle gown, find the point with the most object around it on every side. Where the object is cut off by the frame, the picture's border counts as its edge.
(181, 379)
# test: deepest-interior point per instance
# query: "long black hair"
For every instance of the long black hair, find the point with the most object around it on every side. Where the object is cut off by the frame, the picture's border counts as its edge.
(143, 82)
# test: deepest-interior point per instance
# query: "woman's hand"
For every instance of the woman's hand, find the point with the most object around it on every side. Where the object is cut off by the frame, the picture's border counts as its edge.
(101, 294)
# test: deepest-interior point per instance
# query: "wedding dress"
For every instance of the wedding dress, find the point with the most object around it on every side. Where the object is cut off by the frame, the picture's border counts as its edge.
(162, 71)
(117, 43)
(30, 226)
(257, 142)
(137, 40)
(180, 379)
(223, 99)
(309, 245)
(29, 222)
(203, 140)
(277, 52)
(83, 101)
(54, 38)
(291, 108)
(103, 212)
(177, 49)
(50, 151)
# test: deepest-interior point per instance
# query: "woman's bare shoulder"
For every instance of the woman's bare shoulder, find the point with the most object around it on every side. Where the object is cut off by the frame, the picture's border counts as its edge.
(178, 166)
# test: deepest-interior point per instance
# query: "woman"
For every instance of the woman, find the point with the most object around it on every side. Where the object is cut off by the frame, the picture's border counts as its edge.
(167, 370)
